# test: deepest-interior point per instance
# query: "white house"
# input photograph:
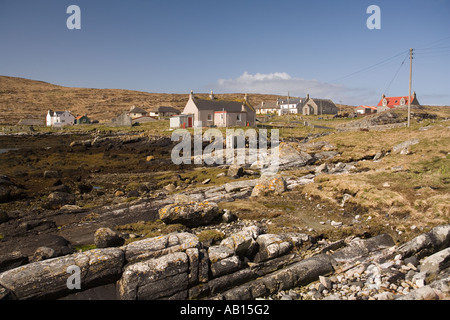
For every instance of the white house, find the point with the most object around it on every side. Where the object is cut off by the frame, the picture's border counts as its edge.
(59, 118)
(290, 105)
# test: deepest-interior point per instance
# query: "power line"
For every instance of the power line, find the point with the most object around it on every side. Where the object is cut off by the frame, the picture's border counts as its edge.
(398, 70)
(368, 68)
(430, 45)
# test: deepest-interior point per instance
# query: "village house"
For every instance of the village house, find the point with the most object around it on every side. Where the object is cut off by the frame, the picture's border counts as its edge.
(136, 112)
(163, 112)
(59, 118)
(313, 106)
(291, 105)
(83, 119)
(387, 103)
(219, 113)
(267, 107)
(365, 109)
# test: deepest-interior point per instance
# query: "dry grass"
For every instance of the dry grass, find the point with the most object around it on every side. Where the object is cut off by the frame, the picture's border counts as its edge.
(30, 99)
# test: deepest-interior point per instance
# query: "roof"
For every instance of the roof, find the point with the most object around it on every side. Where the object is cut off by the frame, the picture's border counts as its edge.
(165, 109)
(322, 102)
(367, 107)
(220, 105)
(79, 117)
(268, 105)
(137, 110)
(292, 100)
(394, 101)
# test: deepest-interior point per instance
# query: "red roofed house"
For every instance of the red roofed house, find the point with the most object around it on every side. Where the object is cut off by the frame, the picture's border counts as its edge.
(394, 102)
(365, 109)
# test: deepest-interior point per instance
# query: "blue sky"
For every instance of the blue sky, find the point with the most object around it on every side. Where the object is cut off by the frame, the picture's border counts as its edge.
(319, 47)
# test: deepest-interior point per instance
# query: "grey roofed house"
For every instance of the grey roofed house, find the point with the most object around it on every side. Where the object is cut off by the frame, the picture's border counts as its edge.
(216, 112)
(292, 100)
(313, 106)
(267, 107)
(163, 111)
(136, 112)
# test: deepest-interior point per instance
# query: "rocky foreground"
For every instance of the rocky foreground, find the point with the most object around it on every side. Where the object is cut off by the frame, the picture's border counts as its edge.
(246, 265)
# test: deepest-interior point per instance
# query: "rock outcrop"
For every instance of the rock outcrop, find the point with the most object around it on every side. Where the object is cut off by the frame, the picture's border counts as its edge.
(246, 265)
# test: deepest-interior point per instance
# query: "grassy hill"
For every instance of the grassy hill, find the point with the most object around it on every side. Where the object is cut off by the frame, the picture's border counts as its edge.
(23, 98)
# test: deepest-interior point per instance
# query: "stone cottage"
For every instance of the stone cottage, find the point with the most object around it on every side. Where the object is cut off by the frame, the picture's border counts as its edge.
(313, 106)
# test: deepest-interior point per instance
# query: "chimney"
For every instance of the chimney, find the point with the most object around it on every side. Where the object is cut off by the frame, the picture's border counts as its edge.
(383, 96)
(246, 98)
(211, 96)
(307, 96)
(191, 95)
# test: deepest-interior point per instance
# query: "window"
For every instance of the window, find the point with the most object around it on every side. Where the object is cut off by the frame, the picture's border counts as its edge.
(239, 117)
(209, 117)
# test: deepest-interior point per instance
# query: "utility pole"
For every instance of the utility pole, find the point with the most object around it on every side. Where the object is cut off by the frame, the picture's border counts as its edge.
(410, 83)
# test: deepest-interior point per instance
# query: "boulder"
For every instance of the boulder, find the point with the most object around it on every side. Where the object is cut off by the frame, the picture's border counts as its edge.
(223, 260)
(158, 246)
(269, 184)
(436, 262)
(271, 246)
(403, 148)
(155, 278)
(105, 237)
(48, 279)
(191, 214)
(238, 185)
(12, 260)
(428, 243)
(235, 170)
(290, 157)
(58, 199)
(243, 243)
(43, 253)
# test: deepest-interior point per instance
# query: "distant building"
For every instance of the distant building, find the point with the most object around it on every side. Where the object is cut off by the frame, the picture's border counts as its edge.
(313, 106)
(59, 118)
(387, 103)
(365, 109)
(163, 112)
(136, 112)
(267, 107)
(182, 121)
(83, 119)
(220, 113)
(290, 105)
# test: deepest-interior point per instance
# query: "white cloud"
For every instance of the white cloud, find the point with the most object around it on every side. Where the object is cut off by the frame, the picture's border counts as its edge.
(280, 83)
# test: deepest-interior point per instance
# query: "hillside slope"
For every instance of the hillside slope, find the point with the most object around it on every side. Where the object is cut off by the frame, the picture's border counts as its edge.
(30, 99)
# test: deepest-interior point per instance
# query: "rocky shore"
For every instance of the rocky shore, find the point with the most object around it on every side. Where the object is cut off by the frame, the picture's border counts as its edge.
(203, 250)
